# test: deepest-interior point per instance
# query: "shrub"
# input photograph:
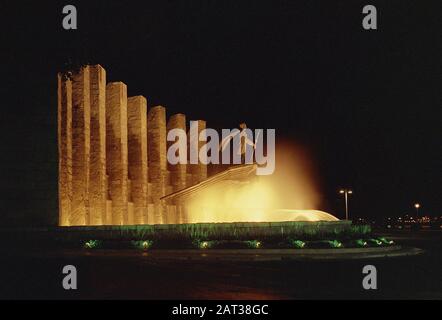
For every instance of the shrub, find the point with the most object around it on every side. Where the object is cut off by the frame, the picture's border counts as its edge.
(142, 244)
(254, 244)
(92, 244)
(335, 244)
(298, 244)
(361, 243)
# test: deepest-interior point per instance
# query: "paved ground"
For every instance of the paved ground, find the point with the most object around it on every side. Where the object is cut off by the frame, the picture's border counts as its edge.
(125, 275)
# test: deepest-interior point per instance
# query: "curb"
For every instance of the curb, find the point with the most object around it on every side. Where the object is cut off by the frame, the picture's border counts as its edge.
(256, 254)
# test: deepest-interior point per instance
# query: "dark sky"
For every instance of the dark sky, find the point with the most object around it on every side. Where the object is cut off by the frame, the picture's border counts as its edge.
(366, 104)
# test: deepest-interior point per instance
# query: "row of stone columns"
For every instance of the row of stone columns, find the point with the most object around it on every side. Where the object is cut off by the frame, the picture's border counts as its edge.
(113, 166)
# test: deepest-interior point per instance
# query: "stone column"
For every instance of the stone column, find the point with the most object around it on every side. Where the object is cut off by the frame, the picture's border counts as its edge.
(64, 149)
(97, 186)
(199, 171)
(116, 150)
(178, 171)
(137, 148)
(156, 139)
(80, 147)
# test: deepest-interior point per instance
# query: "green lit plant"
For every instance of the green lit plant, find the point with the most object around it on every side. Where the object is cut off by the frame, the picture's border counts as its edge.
(298, 244)
(361, 243)
(335, 244)
(375, 242)
(92, 244)
(202, 244)
(254, 244)
(385, 241)
(142, 244)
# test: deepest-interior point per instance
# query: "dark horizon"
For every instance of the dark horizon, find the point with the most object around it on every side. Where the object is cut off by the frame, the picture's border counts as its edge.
(365, 104)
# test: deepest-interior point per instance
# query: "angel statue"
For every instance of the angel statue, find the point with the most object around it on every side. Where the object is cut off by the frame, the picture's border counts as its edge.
(241, 139)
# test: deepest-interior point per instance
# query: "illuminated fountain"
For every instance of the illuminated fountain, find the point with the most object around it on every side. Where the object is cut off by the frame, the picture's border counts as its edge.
(289, 194)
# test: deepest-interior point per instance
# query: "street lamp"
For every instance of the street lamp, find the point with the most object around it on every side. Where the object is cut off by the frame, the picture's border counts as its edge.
(417, 206)
(346, 192)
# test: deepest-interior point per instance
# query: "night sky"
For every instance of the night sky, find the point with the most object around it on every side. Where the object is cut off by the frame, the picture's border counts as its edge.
(365, 104)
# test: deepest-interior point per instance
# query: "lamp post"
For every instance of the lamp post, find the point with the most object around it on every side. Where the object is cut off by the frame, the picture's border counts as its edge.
(346, 192)
(417, 206)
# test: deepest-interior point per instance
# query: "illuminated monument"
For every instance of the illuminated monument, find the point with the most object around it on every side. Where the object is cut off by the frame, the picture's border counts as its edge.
(113, 168)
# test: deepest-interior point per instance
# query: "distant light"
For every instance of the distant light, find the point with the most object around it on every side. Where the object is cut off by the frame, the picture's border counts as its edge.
(417, 205)
(349, 191)
(341, 191)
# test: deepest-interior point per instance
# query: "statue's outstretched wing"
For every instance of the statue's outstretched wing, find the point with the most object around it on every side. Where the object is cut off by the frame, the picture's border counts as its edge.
(226, 140)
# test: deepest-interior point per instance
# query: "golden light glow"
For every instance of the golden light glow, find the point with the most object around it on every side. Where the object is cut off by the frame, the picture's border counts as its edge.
(417, 205)
(289, 194)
